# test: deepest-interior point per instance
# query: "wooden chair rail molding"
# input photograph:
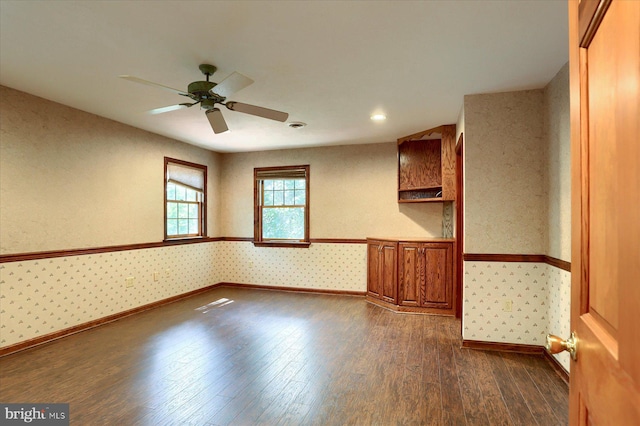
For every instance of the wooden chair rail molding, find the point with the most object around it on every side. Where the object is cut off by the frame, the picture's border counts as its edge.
(525, 258)
(17, 257)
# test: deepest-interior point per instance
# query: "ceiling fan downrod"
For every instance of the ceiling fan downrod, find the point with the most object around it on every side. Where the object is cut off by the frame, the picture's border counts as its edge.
(207, 70)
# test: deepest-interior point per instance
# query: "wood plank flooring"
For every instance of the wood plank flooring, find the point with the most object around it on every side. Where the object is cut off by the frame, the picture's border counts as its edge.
(277, 358)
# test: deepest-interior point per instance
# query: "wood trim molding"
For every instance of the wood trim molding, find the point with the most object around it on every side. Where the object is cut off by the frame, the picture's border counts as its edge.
(558, 263)
(282, 244)
(36, 341)
(17, 257)
(419, 135)
(412, 309)
(312, 240)
(294, 289)
(557, 367)
(590, 15)
(521, 349)
(525, 258)
(338, 241)
(503, 347)
(5, 258)
(486, 257)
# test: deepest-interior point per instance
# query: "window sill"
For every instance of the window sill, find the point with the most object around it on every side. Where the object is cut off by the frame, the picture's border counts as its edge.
(179, 240)
(288, 244)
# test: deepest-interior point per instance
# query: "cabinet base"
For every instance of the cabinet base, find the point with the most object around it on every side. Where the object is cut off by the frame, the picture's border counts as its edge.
(411, 309)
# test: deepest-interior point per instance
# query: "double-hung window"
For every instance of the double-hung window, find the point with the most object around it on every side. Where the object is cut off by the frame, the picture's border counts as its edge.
(281, 206)
(185, 199)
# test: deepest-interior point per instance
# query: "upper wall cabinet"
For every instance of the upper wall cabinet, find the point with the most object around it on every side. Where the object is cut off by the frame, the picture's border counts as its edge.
(427, 167)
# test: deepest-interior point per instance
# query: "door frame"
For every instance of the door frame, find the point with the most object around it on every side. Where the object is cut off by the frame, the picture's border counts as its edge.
(459, 226)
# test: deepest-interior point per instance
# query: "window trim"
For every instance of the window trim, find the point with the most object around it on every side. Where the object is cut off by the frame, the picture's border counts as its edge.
(203, 209)
(258, 241)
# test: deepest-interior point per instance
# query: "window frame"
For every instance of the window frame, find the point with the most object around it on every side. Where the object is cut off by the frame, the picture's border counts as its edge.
(258, 239)
(202, 225)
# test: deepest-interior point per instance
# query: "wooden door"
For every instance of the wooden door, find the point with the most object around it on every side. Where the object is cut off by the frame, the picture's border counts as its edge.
(373, 269)
(437, 284)
(388, 274)
(459, 250)
(409, 274)
(605, 313)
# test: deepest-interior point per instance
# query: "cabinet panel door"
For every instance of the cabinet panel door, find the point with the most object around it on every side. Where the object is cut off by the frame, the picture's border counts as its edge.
(410, 272)
(436, 289)
(389, 275)
(373, 269)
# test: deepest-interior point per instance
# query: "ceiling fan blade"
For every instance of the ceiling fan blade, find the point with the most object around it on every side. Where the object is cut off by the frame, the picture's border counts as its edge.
(271, 114)
(231, 84)
(152, 84)
(169, 108)
(216, 120)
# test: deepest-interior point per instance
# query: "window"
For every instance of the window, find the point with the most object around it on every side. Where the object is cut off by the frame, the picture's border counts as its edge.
(185, 199)
(281, 206)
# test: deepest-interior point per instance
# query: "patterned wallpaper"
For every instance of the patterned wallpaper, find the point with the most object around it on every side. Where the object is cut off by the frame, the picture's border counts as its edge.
(321, 266)
(39, 297)
(530, 287)
(560, 308)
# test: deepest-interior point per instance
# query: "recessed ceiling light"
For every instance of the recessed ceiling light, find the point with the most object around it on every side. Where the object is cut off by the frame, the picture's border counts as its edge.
(296, 124)
(378, 117)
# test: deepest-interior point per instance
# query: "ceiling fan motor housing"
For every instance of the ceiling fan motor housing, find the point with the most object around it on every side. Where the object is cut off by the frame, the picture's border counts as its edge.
(200, 89)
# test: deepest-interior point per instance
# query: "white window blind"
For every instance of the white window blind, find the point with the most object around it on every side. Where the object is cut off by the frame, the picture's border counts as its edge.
(189, 177)
(283, 173)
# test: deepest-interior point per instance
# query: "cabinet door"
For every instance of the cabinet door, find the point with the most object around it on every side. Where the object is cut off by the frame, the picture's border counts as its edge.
(374, 278)
(410, 274)
(389, 269)
(437, 287)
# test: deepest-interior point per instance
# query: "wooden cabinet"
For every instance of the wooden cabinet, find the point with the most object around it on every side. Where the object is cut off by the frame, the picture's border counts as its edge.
(427, 167)
(381, 270)
(425, 275)
(411, 276)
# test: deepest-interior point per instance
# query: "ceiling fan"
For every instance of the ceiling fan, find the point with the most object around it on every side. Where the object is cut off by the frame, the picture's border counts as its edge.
(208, 94)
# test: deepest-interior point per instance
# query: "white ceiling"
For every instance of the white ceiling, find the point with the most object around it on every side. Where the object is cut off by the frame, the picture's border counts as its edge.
(328, 64)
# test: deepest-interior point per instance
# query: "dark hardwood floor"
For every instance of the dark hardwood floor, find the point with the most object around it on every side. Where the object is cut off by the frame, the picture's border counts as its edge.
(267, 357)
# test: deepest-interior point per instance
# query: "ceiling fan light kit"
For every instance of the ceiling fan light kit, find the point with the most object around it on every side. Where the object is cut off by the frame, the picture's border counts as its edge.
(208, 94)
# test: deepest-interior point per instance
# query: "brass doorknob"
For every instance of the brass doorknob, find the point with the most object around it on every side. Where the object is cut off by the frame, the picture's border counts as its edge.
(556, 345)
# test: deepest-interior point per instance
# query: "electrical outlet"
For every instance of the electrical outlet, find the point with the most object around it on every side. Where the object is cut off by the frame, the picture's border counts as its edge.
(167, 273)
(507, 305)
(250, 264)
(129, 281)
(156, 276)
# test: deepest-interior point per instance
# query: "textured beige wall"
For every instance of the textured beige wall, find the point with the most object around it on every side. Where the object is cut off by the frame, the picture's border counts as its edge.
(69, 179)
(505, 197)
(558, 160)
(518, 144)
(353, 193)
